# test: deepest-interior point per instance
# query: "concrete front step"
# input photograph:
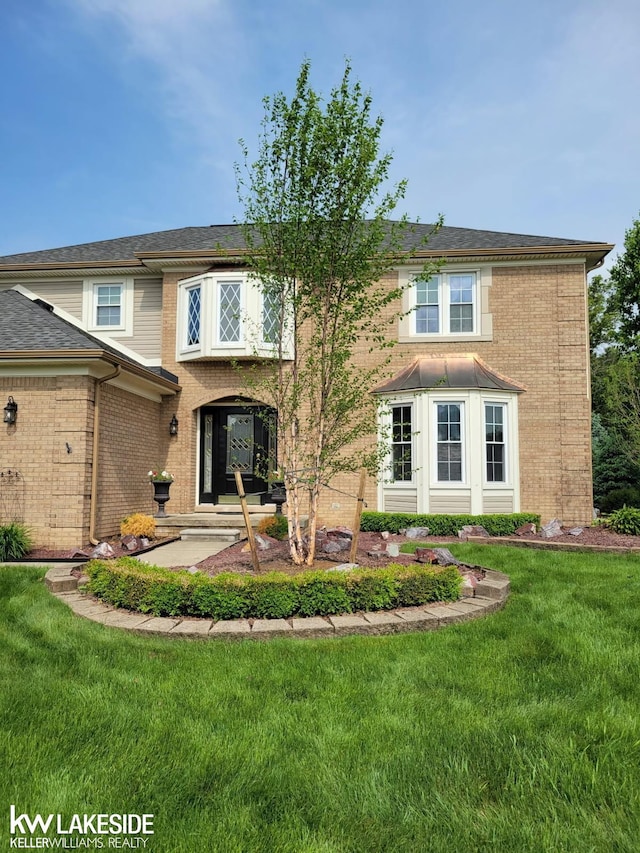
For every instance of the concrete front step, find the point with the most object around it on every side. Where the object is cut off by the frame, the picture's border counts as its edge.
(214, 534)
(175, 524)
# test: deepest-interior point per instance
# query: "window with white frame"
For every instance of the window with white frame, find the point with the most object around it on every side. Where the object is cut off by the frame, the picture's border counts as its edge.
(446, 304)
(495, 442)
(449, 443)
(194, 315)
(271, 312)
(401, 444)
(227, 315)
(108, 306)
(229, 312)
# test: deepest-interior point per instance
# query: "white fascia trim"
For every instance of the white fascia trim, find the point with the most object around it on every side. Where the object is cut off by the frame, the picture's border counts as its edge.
(106, 339)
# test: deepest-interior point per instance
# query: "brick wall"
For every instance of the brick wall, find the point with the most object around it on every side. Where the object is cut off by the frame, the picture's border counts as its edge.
(50, 446)
(539, 340)
(130, 445)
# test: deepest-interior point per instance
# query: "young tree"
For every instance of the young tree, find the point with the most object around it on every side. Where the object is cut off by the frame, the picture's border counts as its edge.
(319, 243)
(624, 285)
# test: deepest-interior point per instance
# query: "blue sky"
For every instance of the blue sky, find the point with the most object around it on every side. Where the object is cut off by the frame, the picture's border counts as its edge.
(123, 116)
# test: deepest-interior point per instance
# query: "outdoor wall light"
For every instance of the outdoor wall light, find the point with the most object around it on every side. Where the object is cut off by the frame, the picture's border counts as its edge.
(173, 426)
(10, 411)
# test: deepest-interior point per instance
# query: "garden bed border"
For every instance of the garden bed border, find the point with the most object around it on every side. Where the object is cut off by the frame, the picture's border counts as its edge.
(490, 595)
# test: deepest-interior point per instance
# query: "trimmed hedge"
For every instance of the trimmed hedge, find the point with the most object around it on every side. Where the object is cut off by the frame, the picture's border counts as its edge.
(138, 586)
(502, 524)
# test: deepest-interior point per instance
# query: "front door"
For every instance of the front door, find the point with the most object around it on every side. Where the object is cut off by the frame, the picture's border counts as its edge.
(235, 438)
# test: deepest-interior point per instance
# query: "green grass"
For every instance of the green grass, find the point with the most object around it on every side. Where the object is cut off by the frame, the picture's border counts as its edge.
(518, 732)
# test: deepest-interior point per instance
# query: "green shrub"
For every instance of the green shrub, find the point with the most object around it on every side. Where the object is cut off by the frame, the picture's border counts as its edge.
(625, 520)
(273, 596)
(617, 498)
(322, 593)
(15, 542)
(149, 589)
(276, 526)
(424, 583)
(502, 524)
(372, 589)
(228, 598)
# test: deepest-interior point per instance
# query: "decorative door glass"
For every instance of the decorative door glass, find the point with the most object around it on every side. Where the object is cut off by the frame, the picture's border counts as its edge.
(240, 444)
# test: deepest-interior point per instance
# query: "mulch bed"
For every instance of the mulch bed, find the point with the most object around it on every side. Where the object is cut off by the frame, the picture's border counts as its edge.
(237, 558)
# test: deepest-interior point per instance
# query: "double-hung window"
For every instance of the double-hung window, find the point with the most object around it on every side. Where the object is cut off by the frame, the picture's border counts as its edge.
(401, 444)
(449, 456)
(495, 444)
(108, 305)
(446, 304)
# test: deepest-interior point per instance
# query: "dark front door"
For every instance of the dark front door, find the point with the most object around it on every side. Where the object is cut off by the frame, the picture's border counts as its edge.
(234, 438)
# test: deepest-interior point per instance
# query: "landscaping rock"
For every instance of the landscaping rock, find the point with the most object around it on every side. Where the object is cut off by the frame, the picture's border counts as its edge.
(472, 530)
(526, 529)
(393, 549)
(130, 543)
(444, 557)
(193, 571)
(469, 584)
(552, 528)
(334, 546)
(385, 534)
(339, 533)
(576, 531)
(344, 567)
(417, 532)
(376, 555)
(102, 551)
(426, 555)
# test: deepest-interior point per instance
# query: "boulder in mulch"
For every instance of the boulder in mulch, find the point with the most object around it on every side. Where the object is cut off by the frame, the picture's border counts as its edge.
(444, 557)
(473, 530)
(102, 551)
(551, 528)
(526, 529)
(416, 532)
(576, 531)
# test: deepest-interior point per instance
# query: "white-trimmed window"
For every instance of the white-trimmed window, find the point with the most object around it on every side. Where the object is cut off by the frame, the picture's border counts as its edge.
(495, 442)
(108, 306)
(449, 443)
(452, 305)
(226, 315)
(230, 329)
(446, 304)
(401, 444)
(193, 327)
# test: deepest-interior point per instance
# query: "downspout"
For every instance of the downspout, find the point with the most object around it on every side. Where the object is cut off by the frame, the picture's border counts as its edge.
(96, 443)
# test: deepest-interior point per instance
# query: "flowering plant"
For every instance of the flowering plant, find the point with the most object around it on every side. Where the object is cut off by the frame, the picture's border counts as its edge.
(156, 476)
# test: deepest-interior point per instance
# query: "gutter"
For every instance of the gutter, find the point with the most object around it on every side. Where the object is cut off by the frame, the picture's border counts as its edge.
(94, 467)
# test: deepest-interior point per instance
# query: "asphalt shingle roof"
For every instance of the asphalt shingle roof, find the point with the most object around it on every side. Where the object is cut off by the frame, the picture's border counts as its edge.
(229, 237)
(29, 326)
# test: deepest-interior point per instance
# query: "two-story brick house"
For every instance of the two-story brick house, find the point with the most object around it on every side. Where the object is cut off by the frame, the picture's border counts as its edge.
(103, 343)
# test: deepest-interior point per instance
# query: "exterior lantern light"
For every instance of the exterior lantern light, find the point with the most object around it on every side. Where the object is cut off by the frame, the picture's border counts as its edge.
(10, 411)
(173, 426)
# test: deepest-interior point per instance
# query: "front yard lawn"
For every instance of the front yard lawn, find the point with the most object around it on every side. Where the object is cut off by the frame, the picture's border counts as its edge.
(517, 732)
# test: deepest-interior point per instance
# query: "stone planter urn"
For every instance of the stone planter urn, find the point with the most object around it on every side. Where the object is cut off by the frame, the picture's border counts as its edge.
(278, 496)
(161, 495)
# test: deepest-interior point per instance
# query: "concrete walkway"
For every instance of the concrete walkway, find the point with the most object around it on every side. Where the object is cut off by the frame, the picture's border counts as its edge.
(183, 552)
(490, 595)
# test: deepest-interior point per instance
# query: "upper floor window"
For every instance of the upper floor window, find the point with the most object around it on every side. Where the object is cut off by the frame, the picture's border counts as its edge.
(226, 315)
(108, 306)
(194, 316)
(447, 304)
(452, 305)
